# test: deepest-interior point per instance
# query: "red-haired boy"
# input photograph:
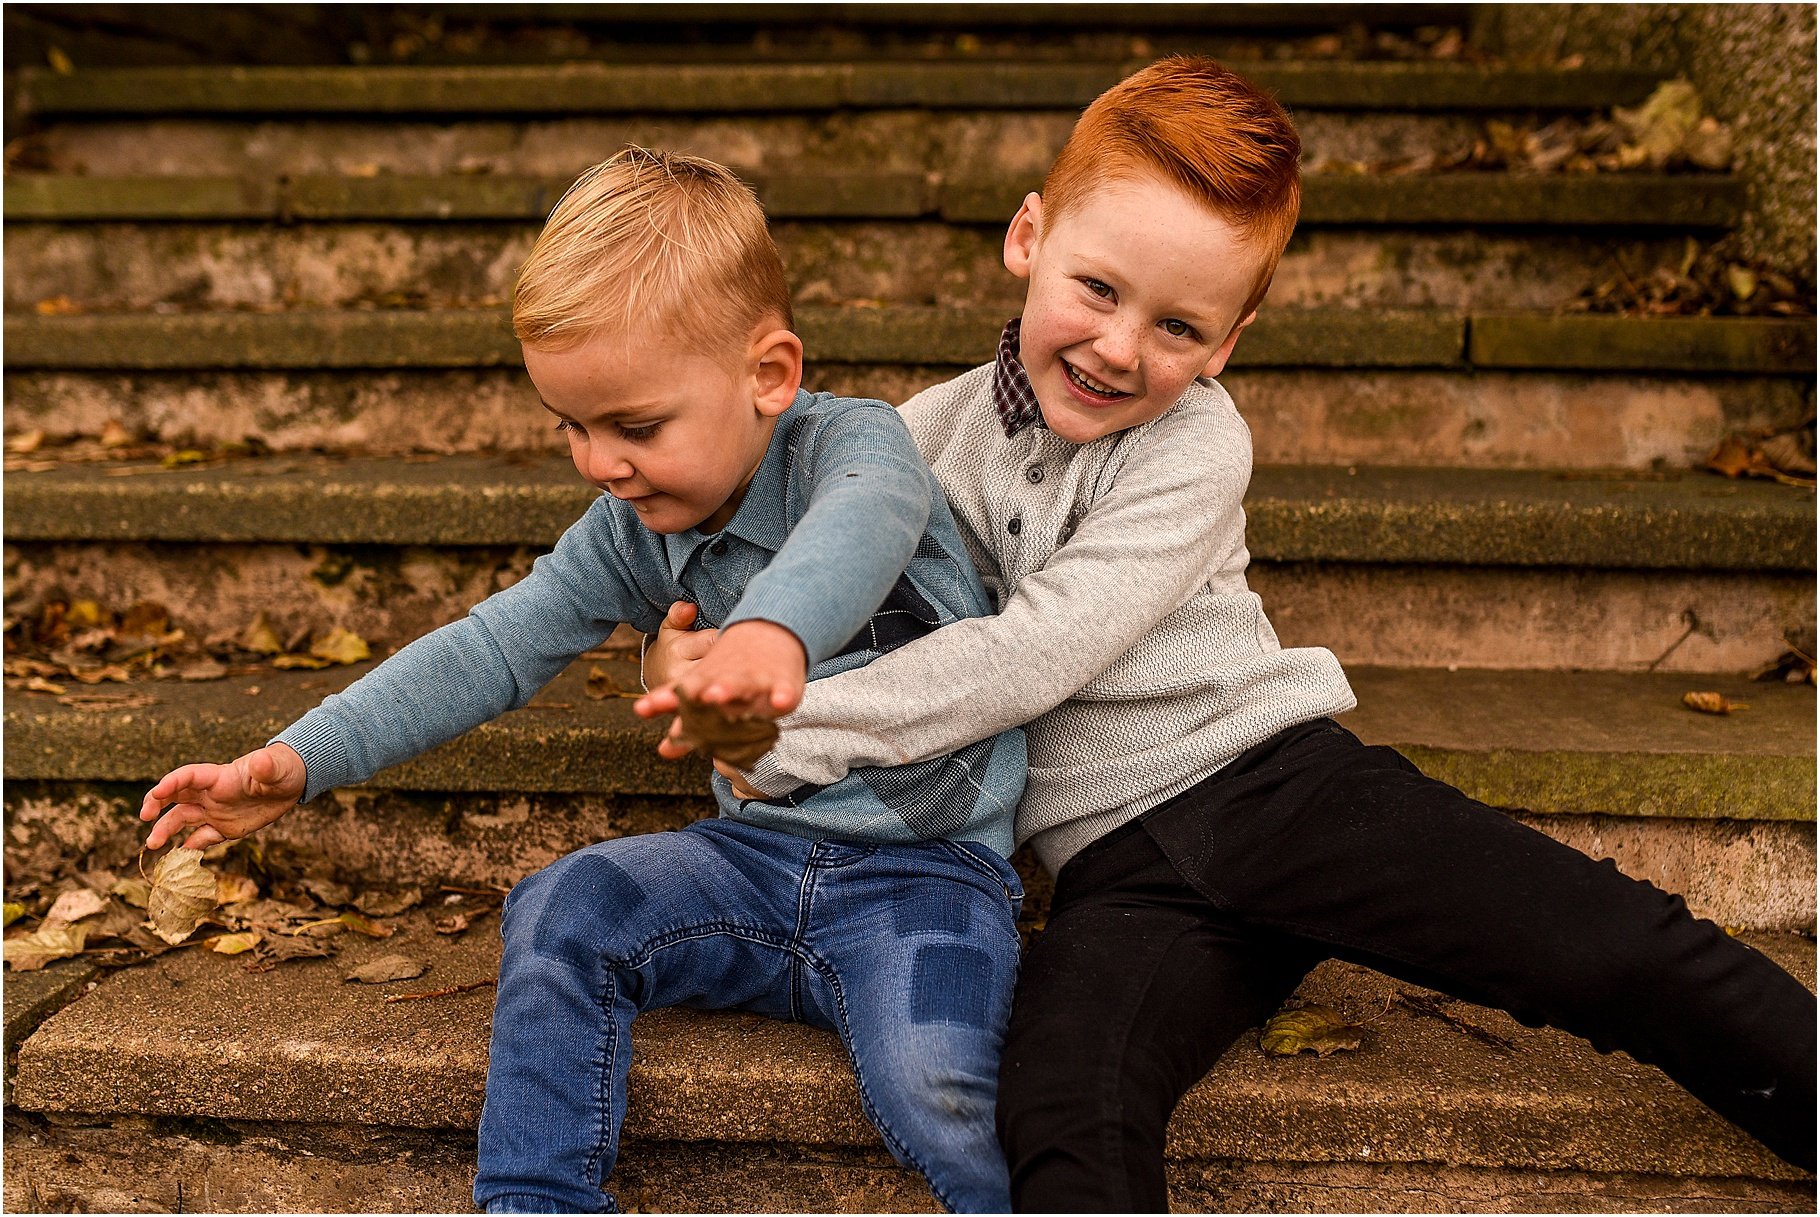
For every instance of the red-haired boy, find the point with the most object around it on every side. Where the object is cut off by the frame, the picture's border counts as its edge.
(1214, 832)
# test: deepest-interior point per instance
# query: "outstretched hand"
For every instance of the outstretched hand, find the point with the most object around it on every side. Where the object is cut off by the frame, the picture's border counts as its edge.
(755, 669)
(224, 802)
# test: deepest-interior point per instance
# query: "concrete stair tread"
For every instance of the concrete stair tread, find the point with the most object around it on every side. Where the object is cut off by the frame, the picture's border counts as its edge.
(1294, 513)
(1478, 199)
(598, 88)
(1567, 742)
(1303, 337)
(196, 1035)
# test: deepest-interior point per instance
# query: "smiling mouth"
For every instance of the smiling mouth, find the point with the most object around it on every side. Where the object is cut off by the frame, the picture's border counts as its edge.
(1092, 387)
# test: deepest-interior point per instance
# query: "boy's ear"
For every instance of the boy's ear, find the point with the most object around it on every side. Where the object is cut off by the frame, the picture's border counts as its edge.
(1021, 237)
(1217, 364)
(776, 361)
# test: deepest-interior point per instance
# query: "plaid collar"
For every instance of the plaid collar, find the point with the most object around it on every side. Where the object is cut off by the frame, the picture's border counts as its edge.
(1011, 391)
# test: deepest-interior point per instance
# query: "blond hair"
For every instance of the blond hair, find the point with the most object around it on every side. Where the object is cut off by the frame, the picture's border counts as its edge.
(651, 239)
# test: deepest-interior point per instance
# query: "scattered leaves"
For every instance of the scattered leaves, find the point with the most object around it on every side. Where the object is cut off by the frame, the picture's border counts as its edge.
(739, 741)
(53, 940)
(1712, 703)
(183, 893)
(387, 968)
(1313, 1028)
(1785, 456)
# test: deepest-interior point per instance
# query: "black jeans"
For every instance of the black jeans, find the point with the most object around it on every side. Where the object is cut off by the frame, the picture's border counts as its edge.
(1171, 936)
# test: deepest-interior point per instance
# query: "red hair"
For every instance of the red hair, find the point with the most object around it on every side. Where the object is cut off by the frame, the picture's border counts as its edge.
(1203, 128)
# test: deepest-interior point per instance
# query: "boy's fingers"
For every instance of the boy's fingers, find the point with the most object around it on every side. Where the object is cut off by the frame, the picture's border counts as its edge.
(681, 616)
(195, 776)
(658, 701)
(203, 837)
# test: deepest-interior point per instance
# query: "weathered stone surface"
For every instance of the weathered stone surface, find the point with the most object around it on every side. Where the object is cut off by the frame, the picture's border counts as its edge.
(1419, 1091)
(1308, 513)
(696, 88)
(32, 997)
(1463, 420)
(1657, 344)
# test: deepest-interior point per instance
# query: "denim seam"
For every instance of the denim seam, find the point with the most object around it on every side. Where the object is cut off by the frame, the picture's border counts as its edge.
(974, 863)
(603, 1097)
(897, 1147)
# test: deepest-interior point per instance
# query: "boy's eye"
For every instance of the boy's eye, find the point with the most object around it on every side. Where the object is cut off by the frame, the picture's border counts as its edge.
(564, 424)
(638, 433)
(1178, 329)
(1097, 288)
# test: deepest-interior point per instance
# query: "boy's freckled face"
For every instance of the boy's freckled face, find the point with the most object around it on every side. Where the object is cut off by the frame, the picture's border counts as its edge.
(668, 429)
(1133, 293)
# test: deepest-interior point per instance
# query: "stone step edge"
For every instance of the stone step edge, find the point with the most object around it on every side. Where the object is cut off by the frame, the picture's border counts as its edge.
(925, 335)
(595, 88)
(1473, 200)
(1550, 743)
(1356, 514)
(1419, 1092)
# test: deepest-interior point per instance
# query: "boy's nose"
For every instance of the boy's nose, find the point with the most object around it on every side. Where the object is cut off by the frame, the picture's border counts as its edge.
(1117, 347)
(606, 463)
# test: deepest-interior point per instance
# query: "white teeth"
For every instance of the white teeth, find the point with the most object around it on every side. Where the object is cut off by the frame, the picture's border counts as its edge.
(1087, 382)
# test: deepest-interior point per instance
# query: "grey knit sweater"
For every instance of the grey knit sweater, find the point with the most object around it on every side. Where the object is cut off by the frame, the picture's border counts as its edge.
(1126, 637)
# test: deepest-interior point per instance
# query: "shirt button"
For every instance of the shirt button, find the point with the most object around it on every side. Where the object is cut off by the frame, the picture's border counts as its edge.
(1034, 473)
(719, 547)
(1015, 526)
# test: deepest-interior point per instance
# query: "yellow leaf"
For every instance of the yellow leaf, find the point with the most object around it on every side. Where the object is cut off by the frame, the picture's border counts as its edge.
(311, 662)
(1712, 703)
(1315, 1029)
(260, 637)
(1742, 280)
(183, 892)
(232, 944)
(29, 952)
(184, 456)
(60, 62)
(341, 646)
(115, 435)
(84, 614)
(14, 911)
(360, 925)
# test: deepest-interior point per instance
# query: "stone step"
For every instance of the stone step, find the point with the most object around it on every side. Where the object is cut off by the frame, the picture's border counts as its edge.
(765, 88)
(1407, 568)
(189, 1040)
(1299, 514)
(1718, 809)
(1613, 200)
(1292, 338)
(1417, 417)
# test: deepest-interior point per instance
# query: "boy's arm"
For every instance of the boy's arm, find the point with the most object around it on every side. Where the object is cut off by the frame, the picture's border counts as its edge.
(1163, 529)
(439, 686)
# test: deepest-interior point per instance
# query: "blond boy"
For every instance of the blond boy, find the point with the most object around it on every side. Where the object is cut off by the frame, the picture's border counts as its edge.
(1214, 832)
(656, 326)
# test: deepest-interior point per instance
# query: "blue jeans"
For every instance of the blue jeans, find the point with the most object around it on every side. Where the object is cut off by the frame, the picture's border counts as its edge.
(907, 952)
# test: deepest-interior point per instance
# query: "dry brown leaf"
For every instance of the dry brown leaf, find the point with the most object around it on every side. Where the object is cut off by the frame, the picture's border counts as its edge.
(136, 892)
(59, 61)
(115, 435)
(1712, 703)
(1316, 1029)
(327, 890)
(601, 684)
(388, 904)
(387, 968)
(341, 646)
(275, 949)
(183, 893)
(29, 952)
(293, 660)
(360, 925)
(107, 701)
(450, 925)
(235, 889)
(37, 684)
(26, 442)
(76, 904)
(203, 669)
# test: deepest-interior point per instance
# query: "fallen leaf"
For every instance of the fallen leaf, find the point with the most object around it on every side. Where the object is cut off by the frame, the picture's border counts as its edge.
(388, 904)
(601, 684)
(56, 306)
(289, 661)
(443, 925)
(37, 684)
(107, 701)
(183, 892)
(16, 910)
(1712, 703)
(202, 669)
(29, 952)
(739, 741)
(183, 456)
(136, 892)
(260, 637)
(60, 62)
(76, 904)
(232, 944)
(1315, 1029)
(387, 968)
(276, 949)
(115, 435)
(360, 925)
(235, 889)
(341, 646)
(1742, 280)
(26, 443)
(327, 890)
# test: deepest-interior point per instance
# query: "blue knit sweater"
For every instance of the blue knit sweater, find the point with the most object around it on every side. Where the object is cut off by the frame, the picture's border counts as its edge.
(843, 538)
